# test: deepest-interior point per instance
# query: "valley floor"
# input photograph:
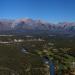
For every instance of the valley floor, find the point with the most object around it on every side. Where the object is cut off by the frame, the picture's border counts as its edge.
(37, 56)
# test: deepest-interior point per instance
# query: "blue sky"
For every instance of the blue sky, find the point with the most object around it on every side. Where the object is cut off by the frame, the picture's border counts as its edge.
(49, 10)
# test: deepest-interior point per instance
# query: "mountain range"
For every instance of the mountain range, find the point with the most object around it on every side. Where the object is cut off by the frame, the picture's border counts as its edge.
(29, 26)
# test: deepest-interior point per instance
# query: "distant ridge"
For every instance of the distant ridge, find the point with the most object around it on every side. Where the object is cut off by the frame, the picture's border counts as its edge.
(28, 25)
